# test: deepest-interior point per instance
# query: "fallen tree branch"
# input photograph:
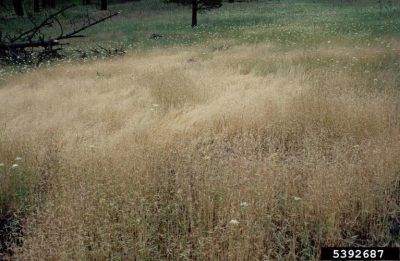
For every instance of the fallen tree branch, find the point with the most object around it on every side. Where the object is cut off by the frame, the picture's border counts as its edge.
(27, 44)
(47, 22)
(52, 41)
(75, 32)
(33, 38)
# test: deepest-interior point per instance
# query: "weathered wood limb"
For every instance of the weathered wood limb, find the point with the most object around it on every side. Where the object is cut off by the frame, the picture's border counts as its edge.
(75, 32)
(25, 39)
(29, 34)
(21, 45)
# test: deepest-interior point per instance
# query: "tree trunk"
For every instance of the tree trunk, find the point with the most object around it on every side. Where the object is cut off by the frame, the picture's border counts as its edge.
(231, 1)
(36, 6)
(53, 3)
(103, 4)
(194, 13)
(19, 10)
(44, 4)
(86, 2)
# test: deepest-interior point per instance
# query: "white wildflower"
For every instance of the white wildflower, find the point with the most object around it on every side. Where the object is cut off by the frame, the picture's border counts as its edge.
(244, 204)
(234, 222)
(14, 166)
(155, 105)
(329, 42)
(18, 159)
(296, 198)
(1, 165)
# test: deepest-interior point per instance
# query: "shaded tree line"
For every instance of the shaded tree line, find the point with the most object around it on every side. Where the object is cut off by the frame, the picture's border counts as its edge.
(39, 5)
(19, 6)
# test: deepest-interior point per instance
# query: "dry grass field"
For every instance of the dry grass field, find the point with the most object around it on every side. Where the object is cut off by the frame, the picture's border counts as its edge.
(243, 152)
(194, 154)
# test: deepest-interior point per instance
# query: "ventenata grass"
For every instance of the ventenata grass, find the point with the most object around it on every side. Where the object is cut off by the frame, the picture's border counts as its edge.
(265, 133)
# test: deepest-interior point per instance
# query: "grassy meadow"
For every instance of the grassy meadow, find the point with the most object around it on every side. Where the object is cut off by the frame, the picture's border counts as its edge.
(270, 130)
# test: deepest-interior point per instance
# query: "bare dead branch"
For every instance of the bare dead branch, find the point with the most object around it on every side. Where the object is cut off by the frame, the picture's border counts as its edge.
(72, 34)
(30, 34)
(22, 47)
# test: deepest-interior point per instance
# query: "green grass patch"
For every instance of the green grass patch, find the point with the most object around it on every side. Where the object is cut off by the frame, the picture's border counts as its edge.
(19, 195)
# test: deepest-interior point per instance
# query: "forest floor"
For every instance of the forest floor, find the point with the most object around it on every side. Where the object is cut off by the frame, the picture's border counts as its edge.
(270, 130)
